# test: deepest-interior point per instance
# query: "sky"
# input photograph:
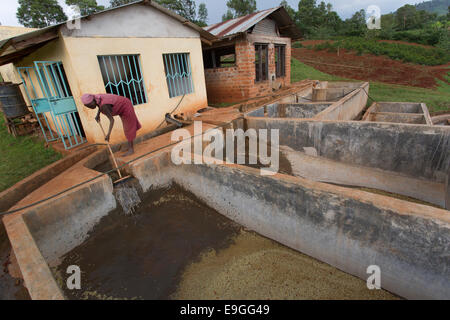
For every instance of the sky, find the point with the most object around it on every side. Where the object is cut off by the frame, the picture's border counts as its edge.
(345, 8)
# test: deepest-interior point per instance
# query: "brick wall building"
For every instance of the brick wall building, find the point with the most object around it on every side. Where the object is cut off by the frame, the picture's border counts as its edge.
(252, 57)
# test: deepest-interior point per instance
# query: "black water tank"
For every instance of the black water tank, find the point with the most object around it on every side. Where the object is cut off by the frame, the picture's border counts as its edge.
(11, 100)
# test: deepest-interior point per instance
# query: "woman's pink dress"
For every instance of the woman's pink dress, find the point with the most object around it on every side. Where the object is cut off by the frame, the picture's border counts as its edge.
(123, 108)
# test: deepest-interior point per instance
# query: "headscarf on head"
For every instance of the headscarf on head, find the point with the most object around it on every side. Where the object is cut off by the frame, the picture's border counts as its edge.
(87, 99)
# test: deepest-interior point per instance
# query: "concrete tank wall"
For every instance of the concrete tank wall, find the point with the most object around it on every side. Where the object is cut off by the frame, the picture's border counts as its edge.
(345, 228)
(415, 150)
(348, 229)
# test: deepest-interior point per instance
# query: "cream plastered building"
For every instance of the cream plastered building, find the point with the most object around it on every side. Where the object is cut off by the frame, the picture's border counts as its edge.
(156, 54)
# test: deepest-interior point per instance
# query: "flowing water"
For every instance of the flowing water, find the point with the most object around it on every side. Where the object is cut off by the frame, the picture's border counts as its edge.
(126, 192)
(127, 195)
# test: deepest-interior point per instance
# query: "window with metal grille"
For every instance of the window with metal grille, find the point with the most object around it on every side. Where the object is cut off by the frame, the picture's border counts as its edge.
(261, 59)
(122, 75)
(178, 74)
(280, 60)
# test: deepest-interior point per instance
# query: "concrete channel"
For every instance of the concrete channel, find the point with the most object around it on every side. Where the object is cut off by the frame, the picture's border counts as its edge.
(310, 215)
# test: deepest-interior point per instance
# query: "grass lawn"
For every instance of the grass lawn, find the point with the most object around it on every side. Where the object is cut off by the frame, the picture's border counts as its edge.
(436, 100)
(21, 156)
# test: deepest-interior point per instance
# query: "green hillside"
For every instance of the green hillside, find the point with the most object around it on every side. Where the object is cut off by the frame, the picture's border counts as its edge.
(435, 6)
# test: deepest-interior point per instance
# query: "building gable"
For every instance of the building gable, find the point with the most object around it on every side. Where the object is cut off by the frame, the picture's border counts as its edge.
(266, 27)
(133, 21)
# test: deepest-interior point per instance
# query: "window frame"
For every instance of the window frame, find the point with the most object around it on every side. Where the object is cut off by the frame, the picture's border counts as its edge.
(136, 89)
(213, 58)
(260, 76)
(280, 53)
(187, 82)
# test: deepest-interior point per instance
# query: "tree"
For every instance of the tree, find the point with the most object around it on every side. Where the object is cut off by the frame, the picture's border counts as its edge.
(388, 21)
(288, 8)
(307, 17)
(189, 10)
(317, 20)
(87, 7)
(322, 11)
(240, 8)
(228, 16)
(406, 17)
(185, 8)
(116, 3)
(202, 16)
(40, 13)
(356, 25)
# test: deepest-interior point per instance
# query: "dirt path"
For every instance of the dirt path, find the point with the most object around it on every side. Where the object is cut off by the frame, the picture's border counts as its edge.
(370, 67)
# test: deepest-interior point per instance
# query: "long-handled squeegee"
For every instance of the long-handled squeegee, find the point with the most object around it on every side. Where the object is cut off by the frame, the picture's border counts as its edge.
(121, 179)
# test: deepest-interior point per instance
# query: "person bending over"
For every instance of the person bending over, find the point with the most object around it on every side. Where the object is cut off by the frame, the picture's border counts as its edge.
(112, 105)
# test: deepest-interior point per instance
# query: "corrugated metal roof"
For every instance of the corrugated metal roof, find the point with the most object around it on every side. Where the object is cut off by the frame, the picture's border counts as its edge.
(238, 25)
(243, 24)
(6, 49)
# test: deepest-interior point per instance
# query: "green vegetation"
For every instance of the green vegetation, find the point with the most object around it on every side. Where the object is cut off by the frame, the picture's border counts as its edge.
(185, 8)
(40, 13)
(87, 7)
(301, 71)
(21, 156)
(435, 6)
(403, 52)
(444, 86)
(239, 8)
(409, 23)
(43, 13)
(412, 24)
(420, 36)
(436, 100)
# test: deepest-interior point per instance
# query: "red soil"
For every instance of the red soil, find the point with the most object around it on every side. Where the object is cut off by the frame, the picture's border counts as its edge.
(370, 67)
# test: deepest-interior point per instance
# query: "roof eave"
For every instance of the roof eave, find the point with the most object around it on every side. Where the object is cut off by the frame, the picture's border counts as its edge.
(278, 13)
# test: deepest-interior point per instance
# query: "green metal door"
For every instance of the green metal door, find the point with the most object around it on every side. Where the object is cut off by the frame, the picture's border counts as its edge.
(53, 98)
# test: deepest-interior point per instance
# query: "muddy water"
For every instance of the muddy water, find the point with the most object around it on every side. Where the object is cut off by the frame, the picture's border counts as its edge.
(10, 288)
(175, 247)
(142, 256)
